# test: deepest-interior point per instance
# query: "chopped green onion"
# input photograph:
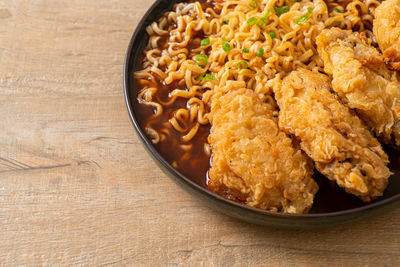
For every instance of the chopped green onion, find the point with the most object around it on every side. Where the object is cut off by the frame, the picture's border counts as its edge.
(272, 34)
(253, 4)
(280, 10)
(201, 58)
(251, 21)
(208, 77)
(260, 52)
(205, 42)
(263, 21)
(260, 22)
(241, 63)
(304, 18)
(226, 47)
(223, 38)
(226, 21)
(245, 50)
(338, 10)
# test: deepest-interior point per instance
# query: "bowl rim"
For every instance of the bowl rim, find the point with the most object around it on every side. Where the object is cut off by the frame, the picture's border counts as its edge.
(128, 70)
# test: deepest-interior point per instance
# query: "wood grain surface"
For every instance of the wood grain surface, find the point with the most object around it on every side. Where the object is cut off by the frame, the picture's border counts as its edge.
(76, 185)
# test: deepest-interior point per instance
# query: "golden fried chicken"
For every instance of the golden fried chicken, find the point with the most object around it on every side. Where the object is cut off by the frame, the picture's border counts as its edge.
(386, 28)
(362, 81)
(340, 144)
(252, 161)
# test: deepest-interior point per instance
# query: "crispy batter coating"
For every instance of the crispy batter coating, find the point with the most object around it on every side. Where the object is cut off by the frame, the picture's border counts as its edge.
(341, 146)
(362, 81)
(252, 161)
(386, 28)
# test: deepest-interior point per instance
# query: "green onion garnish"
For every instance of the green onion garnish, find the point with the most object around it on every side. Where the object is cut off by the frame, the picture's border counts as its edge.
(253, 4)
(272, 34)
(280, 10)
(304, 18)
(226, 21)
(205, 42)
(208, 77)
(338, 10)
(251, 21)
(261, 23)
(226, 47)
(260, 52)
(223, 38)
(245, 50)
(243, 65)
(201, 58)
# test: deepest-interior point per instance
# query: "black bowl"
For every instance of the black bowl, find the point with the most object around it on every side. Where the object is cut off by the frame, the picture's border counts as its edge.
(332, 205)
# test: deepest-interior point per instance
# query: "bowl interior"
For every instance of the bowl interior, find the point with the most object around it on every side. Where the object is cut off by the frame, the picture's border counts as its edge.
(329, 200)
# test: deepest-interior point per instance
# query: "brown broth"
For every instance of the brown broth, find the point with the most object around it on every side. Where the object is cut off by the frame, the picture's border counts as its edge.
(193, 163)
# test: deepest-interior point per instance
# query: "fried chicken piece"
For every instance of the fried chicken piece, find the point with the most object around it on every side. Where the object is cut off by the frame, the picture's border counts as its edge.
(252, 161)
(362, 81)
(340, 144)
(386, 28)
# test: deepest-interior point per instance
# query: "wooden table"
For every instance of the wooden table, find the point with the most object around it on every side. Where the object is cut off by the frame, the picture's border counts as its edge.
(76, 185)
